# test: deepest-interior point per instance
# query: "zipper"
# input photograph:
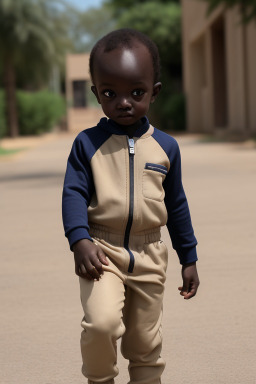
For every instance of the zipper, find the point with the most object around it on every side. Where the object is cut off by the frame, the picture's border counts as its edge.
(131, 149)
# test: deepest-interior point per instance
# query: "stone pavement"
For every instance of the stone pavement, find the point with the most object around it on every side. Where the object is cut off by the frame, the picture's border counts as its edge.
(207, 340)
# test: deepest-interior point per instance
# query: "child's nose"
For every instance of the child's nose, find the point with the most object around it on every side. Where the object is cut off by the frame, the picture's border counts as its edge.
(124, 103)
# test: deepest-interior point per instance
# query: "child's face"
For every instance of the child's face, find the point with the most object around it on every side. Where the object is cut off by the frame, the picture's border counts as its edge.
(124, 83)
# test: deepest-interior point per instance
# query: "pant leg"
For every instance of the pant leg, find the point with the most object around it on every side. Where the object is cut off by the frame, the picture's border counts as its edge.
(142, 341)
(102, 324)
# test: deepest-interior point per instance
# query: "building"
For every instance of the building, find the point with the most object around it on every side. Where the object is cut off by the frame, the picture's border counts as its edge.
(82, 110)
(219, 56)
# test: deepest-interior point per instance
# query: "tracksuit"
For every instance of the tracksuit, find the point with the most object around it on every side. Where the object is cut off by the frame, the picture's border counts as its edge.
(118, 192)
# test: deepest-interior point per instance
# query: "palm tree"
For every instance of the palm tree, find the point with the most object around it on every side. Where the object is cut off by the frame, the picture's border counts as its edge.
(33, 35)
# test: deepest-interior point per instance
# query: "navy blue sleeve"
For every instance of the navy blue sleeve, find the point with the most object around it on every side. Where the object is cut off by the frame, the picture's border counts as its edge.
(77, 192)
(179, 221)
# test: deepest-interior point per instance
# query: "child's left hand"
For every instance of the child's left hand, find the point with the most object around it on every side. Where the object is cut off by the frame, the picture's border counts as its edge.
(190, 281)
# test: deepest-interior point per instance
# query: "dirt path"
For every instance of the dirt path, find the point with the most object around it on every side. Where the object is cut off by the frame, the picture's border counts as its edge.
(208, 340)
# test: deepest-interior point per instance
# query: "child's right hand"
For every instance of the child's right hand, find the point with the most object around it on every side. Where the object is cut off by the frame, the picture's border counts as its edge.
(89, 258)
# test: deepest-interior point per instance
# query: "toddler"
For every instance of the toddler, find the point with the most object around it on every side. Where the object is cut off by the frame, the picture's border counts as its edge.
(122, 184)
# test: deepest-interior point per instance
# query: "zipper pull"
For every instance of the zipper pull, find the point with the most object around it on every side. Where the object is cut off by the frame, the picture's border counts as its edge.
(131, 146)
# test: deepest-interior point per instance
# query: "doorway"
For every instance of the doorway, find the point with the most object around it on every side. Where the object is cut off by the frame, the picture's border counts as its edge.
(79, 94)
(219, 73)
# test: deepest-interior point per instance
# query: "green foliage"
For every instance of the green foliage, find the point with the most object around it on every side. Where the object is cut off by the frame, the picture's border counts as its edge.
(33, 40)
(3, 128)
(88, 27)
(176, 110)
(7, 152)
(33, 37)
(169, 110)
(39, 112)
(247, 7)
(121, 6)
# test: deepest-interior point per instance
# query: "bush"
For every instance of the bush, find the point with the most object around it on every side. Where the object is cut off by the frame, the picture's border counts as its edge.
(169, 111)
(175, 111)
(38, 112)
(3, 126)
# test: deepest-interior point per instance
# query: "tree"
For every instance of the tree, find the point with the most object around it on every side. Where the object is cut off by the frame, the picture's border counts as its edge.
(88, 27)
(33, 36)
(121, 6)
(247, 7)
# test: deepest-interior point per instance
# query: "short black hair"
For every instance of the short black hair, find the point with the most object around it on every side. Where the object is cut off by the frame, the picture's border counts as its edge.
(126, 37)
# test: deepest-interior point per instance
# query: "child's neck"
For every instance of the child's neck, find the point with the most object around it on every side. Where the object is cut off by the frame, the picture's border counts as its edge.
(129, 130)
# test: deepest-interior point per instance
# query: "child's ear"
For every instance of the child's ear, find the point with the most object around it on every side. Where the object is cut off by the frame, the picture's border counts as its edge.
(156, 89)
(94, 90)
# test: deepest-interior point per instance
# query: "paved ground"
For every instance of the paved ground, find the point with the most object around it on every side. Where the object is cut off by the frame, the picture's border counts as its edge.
(208, 340)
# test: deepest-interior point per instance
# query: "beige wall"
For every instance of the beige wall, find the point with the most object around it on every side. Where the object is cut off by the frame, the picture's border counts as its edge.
(219, 70)
(77, 69)
(77, 66)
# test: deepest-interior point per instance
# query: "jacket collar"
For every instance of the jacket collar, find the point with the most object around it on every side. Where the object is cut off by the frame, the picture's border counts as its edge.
(112, 127)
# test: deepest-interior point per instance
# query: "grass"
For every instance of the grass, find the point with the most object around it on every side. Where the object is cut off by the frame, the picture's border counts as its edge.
(7, 152)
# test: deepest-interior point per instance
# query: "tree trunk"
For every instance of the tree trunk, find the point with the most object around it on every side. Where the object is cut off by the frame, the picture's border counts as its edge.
(10, 98)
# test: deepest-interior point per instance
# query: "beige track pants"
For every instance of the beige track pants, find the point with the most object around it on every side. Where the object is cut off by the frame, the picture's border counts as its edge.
(127, 305)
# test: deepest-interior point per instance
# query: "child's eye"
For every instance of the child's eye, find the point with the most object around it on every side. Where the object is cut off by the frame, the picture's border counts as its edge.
(108, 93)
(138, 92)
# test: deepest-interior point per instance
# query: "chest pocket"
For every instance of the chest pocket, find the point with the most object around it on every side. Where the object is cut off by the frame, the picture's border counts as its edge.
(152, 182)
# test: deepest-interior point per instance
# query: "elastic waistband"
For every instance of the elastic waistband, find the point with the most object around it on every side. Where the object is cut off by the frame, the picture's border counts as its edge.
(146, 237)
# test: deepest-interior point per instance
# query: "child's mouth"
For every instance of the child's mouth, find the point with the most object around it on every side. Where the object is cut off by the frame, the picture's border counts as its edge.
(127, 116)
